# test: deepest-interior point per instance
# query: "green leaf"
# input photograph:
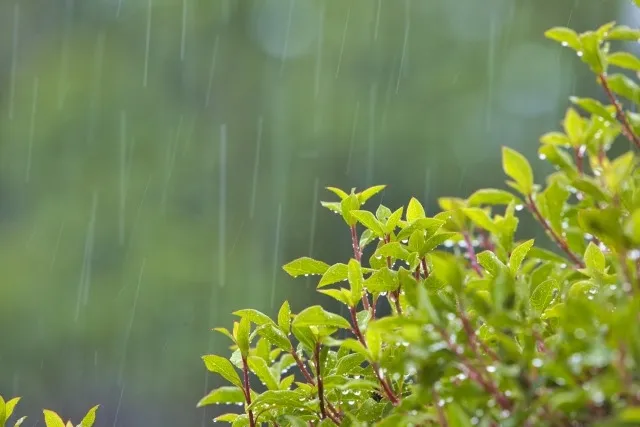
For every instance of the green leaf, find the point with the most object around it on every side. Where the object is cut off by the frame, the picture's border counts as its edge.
(355, 280)
(457, 417)
(274, 335)
(393, 250)
(517, 167)
(3, 412)
(8, 409)
(624, 86)
(52, 419)
(414, 210)
(436, 240)
(382, 280)
(338, 192)
(623, 33)
(630, 414)
(333, 206)
(565, 36)
(518, 254)
(574, 127)
(592, 53)
(19, 421)
(594, 258)
(555, 138)
(90, 418)
(341, 295)
(393, 221)
(605, 225)
(306, 266)
(223, 395)
(632, 227)
(356, 347)
(242, 335)
(317, 316)
(284, 399)
(369, 193)
(336, 273)
(305, 335)
(223, 367)
(480, 218)
(254, 316)
(225, 332)
(491, 196)
(594, 107)
(369, 220)
(624, 60)
(373, 338)
(229, 418)
(284, 317)
(491, 263)
(259, 367)
(543, 294)
(348, 363)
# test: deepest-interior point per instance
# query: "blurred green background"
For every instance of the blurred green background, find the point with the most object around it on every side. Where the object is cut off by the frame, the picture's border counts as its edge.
(161, 159)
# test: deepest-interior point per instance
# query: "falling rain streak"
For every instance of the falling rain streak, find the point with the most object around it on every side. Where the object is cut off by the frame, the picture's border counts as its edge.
(212, 70)
(344, 40)
(256, 165)
(222, 207)
(123, 176)
(405, 42)
(276, 257)
(32, 128)
(85, 273)
(145, 75)
(14, 59)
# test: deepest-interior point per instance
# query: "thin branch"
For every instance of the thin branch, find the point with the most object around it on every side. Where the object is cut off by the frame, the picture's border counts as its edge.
(531, 205)
(311, 381)
(627, 130)
(376, 368)
(472, 253)
(323, 412)
(247, 390)
(441, 417)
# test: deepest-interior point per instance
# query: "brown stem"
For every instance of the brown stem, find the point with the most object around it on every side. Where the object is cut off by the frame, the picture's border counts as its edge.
(394, 295)
(247, 390)
(477, 376)
(473, 338)
(627, 130)
(472, 254)
(376, 368)
(441, 417)
(357, 253)
(311, 381)
(531, 205)
(323, 412)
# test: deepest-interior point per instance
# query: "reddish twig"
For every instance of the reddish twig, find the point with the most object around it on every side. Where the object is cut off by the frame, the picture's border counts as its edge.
(247, 390)
(441, 417)
(472, 254)
(376, 368)
(627, 130)
(531, 205)
(310, 380)
(323, 412)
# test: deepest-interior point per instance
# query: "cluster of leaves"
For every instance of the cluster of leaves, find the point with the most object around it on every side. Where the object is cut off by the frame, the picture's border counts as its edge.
(483, 329)
(51, 418)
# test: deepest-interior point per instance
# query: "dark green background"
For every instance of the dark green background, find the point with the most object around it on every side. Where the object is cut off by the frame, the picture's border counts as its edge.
(129, 228)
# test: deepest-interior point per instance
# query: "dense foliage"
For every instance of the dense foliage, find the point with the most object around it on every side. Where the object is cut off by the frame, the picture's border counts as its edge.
(484, 329)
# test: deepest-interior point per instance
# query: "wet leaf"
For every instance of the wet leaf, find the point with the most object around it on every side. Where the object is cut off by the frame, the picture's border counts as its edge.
(223, 367)
(306, 266)
(517, 167)
(222, 395)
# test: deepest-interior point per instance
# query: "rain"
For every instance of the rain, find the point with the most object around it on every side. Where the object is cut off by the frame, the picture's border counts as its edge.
(161, 160)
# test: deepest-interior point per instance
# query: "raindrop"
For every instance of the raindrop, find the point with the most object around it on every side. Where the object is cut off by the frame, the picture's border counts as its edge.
(537, 363)
(542, 156)
(579, 53)
(491, 368)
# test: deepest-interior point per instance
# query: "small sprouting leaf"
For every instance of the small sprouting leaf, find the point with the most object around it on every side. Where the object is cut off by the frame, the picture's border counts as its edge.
(333, 206)
(338, 192)
(565, 36)
(414, 210)
(242, 335)
(223, 395)
(393, 250)
(574, 127)
(555, 138)
(348, 205)
(317, 316)
(373, 338)
(369, 220)
(518, 254)
(223, 367)
(356, 346)
(543, 295)
(90, 418)
(8, 409)
(284, 317)
(19, 421)
(334, 274)
(594, 258)
(592, 54)
(254, 316)
(52, 419)
(393, 221)
(491, 196)
(517, 167)
(306, 266)
(624, 86)
(624, 60)
(259, 367)
(365, 195)
(225, 332)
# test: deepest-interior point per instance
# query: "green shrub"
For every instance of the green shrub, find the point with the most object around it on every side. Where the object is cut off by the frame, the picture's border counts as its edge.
(51, 418)
(484, 330)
